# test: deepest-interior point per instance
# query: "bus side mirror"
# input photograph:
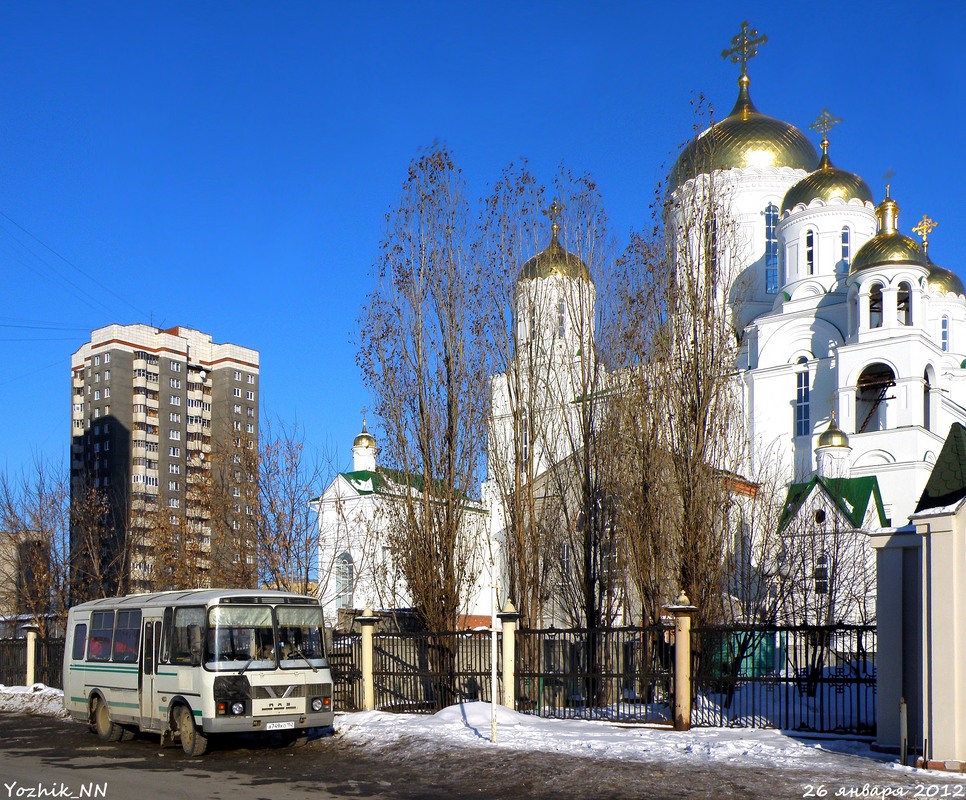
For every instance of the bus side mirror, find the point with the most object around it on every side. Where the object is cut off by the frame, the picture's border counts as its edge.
(194, 643)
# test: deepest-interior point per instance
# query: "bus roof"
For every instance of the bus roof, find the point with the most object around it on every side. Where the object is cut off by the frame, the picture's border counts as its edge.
(195, 597)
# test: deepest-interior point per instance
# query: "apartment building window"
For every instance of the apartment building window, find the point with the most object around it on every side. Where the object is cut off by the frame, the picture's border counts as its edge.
(175, 366)
(174, 416)
(175, 400)
(236, 425)
(250, 395)
(97, 377)
(175, 383)
(237, 408)
(249, 428)
(174, 452)
(251, 412)
(174, 502)
(237, 375)
(107, 392)
(236, 392)
(251, 378)
(97, 360)
(97, 394)
(107, 358)
(174, 469)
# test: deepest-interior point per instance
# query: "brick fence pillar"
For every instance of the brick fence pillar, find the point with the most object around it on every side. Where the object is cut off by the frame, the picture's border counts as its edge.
(368, 623)
(508, 618)
(31, 631)
(682, 611)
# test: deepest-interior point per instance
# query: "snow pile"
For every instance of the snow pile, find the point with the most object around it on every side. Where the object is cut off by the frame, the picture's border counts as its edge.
(468, 725)
(36, 699)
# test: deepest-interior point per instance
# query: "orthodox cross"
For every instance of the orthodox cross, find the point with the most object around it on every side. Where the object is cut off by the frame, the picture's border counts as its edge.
(744, 47)
(554, 213)
(889, 174)
(924, 228)
(824, 124)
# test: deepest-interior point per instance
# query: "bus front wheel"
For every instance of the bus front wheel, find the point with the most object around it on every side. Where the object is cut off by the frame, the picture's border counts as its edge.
(107, 729)
(193, 741)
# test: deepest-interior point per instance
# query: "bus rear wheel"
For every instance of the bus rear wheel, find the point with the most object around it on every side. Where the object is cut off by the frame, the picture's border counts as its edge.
(193, 741)
(107, 729)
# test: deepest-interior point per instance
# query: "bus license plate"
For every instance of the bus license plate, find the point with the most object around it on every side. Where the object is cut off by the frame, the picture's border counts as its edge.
(279, 726)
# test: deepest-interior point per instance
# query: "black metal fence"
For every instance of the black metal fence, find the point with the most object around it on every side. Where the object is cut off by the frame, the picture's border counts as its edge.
(345, 661)
(48, 665)
(612, 673)
(797, 678)
(426, 672)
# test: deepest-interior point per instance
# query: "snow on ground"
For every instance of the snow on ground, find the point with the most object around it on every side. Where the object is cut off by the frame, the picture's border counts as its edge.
(469, 725)
(36, 699)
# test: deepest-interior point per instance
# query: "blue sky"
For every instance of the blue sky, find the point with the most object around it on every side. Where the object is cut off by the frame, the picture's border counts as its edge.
(228, 166)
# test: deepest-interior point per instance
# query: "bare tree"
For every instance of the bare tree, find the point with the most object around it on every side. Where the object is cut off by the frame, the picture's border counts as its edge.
(420, 356)
(35, 521)
(279, 480)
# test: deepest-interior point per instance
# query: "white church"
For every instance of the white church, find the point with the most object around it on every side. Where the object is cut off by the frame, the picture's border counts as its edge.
(853, 350)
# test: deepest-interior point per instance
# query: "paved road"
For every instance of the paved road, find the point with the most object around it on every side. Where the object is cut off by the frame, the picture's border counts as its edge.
(64, 759)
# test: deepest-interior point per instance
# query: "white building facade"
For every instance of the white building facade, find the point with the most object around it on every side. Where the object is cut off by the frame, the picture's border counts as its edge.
(839, 312)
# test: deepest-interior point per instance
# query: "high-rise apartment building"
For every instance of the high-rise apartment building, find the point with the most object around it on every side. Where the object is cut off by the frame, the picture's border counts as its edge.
(163, 427)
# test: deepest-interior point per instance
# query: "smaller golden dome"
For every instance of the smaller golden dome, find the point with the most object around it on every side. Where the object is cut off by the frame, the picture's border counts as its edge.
(943, 280)
(827, 183)
(364, 439)
(833, 436)
(555, 261)
(888, 246)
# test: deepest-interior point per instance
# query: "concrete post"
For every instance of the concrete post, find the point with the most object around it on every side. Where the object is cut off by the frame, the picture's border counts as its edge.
(682, 610)
(368, 623)
(31, 631)
(508, 618)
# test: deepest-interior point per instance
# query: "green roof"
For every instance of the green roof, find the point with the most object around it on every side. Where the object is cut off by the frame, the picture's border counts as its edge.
(389, 481)
(850, 495)
(947, 482)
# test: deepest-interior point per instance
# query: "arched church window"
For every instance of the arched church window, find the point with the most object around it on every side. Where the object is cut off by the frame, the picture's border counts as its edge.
(944, 334)
(872, 398)
(846, 248)
(802, 400)
(344, 579)
(904, 304)
(771, 249)
(561, 319)
(875, 306)
(810, 252)
(821, 574)
(926, 397)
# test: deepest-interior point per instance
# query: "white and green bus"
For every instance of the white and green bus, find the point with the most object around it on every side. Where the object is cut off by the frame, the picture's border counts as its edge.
(191, 664)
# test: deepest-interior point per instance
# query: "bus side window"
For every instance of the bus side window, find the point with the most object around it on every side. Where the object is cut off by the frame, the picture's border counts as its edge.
(80, 641)
(126, 635)
(102, 633)
(165, 655)
(186, 635)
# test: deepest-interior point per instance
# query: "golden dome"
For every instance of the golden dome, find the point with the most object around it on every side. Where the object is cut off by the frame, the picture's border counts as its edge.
(364, 439)
(833, 436)
(943, 280)
(888, 246)
(555, 261)
(827, 183)
(745, 138)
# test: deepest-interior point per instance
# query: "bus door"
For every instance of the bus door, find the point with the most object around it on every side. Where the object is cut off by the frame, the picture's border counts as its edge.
(149, 664)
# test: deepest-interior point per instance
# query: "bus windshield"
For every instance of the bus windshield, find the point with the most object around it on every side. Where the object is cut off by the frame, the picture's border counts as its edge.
(240, 637)
(300, 637)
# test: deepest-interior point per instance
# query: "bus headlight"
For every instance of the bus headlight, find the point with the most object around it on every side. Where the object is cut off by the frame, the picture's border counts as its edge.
(317, 704)
(237, 708)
